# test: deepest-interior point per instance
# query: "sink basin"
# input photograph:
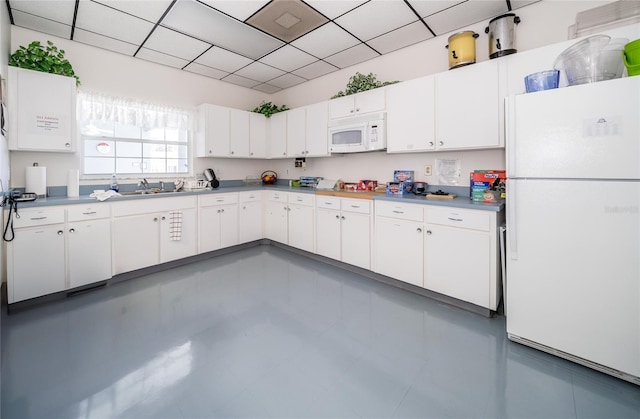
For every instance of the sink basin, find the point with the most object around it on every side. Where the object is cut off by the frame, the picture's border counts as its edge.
(145, 192)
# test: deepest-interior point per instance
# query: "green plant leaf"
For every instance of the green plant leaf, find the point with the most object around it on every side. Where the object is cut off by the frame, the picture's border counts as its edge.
(48, 60)
(268, 109)
(361, 83)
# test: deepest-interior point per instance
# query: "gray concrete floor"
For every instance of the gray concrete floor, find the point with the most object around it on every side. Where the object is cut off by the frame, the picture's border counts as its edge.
(264, 332)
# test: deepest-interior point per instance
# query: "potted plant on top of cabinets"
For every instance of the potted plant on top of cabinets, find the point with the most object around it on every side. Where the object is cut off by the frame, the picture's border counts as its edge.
(268, 109)
(360, 83)
(47, 59)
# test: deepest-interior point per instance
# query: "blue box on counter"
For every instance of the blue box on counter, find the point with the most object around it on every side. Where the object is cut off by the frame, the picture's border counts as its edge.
(399, 188)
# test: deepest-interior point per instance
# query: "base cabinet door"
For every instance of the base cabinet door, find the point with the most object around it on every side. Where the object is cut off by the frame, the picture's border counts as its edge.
(276, 221)
(356, 239)
(445, 248)
(36, 263)
(250, 221)
(399, 249)
(300, 232)
(177, 234)
(328, 233)
(89, 250)
(135, 242)
(229, 226)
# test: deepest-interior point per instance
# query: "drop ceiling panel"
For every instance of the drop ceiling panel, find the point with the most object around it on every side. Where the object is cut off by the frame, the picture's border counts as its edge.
(400, 38)
(376, 18)
(104, 42)
(150, 10)
(176, 44)
(286, 81)
(333, 8)
(203, 22)
(241, 81)
(160, 58)
(288, 58)
(260, 72)
(326, 40)
(37, 23)
(315, 70)
(465, 14)
(106, 21)
(224, 60)
(267, 88)
(428, 7)
(60, 11)
(203, 70)
(241, 10)
(352, 56)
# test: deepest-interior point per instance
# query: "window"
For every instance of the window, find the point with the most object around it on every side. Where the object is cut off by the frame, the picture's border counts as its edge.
(132, 138)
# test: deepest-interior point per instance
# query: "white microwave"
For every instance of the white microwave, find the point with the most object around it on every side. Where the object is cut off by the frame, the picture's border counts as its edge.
(358, 134)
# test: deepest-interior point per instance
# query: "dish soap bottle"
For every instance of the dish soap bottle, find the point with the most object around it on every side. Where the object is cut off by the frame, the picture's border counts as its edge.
(114, 183)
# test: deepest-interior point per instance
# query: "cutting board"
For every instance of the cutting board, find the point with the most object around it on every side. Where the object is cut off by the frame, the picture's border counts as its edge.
(432, 196)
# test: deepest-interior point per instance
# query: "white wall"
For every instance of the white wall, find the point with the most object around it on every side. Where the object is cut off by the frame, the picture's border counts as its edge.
(5, 39)
(542, 23)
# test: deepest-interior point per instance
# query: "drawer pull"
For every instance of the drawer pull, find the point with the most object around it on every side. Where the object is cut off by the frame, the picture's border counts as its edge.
(38, 218)
(398, 212)
(455, 219)
(328, 203)
(89, 213)
(299, 199)
(355, 206)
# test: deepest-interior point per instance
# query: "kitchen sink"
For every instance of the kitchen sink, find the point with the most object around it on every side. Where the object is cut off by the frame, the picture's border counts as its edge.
(145, 192)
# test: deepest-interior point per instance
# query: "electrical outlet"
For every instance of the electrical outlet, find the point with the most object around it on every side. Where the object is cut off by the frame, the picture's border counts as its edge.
(427, 170)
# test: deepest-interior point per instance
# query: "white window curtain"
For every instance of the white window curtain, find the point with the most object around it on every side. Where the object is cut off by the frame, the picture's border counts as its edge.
(100, 107)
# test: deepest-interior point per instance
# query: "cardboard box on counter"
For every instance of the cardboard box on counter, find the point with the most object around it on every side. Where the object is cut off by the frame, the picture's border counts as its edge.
(402, 183)
(487, 185)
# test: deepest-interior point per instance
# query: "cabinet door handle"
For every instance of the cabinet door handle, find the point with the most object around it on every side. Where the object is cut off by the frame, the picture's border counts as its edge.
(357, 109)
(68, 145)
(284, 154)
(232, 152)
(441, 142)
(419, 230)
(72, 230)
(222, 210)
(155, 219)
(38, 218)
(431, 143)
(351, 111)
(337, 217)
(428, 232)
(164, 218)
(244, 208)
(60, 232)
(455, 219)
(342, 217)
(88, 213)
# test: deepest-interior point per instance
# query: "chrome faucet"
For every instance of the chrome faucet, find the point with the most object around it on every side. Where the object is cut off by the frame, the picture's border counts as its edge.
(144, 184)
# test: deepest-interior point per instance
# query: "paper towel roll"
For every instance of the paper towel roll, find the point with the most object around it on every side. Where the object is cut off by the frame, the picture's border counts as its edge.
(36, 180)
(73, 183)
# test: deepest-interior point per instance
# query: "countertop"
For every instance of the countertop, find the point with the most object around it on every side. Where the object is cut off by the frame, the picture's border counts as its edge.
(458, 201)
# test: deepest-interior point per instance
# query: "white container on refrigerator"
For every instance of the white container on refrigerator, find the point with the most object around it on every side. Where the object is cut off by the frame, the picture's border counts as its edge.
(573, 224)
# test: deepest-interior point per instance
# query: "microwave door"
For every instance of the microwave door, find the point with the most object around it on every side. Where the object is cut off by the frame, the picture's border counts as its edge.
(346, 140)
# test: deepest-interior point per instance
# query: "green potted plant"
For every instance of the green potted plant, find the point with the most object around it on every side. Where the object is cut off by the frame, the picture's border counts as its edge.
(268, 109)
(47, 59)
(360, 83)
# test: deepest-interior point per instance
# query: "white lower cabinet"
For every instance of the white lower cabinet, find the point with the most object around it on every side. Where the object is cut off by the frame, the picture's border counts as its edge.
(461, 255)
(143, 235)
(218, 224)
(399, 241)
(250, 213)
(290, 219)
(69, 254)
(343, 230)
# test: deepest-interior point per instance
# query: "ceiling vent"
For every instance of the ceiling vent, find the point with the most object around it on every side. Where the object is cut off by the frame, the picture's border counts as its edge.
(286, 19)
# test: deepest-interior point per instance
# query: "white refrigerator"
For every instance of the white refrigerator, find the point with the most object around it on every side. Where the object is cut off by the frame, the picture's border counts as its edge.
(573, 224)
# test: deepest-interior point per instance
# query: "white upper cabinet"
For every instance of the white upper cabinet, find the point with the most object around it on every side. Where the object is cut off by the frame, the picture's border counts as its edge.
(307, 131)
(239, 133)
(258, 136)
(370, 101)
(411, 116)
(42, 111)
(317, 123)
(296, 132)
(212, 137)
(278, 135)
(469, 104)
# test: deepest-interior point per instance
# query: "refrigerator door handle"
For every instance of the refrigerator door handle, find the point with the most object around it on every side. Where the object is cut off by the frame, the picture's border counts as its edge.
(509, 124)
(512, 236)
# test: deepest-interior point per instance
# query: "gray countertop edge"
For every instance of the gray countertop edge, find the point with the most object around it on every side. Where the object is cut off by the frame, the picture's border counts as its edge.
(458, 202)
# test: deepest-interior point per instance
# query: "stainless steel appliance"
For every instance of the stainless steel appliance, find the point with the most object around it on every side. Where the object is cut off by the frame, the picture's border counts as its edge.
(502, 35)
(210, 176)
